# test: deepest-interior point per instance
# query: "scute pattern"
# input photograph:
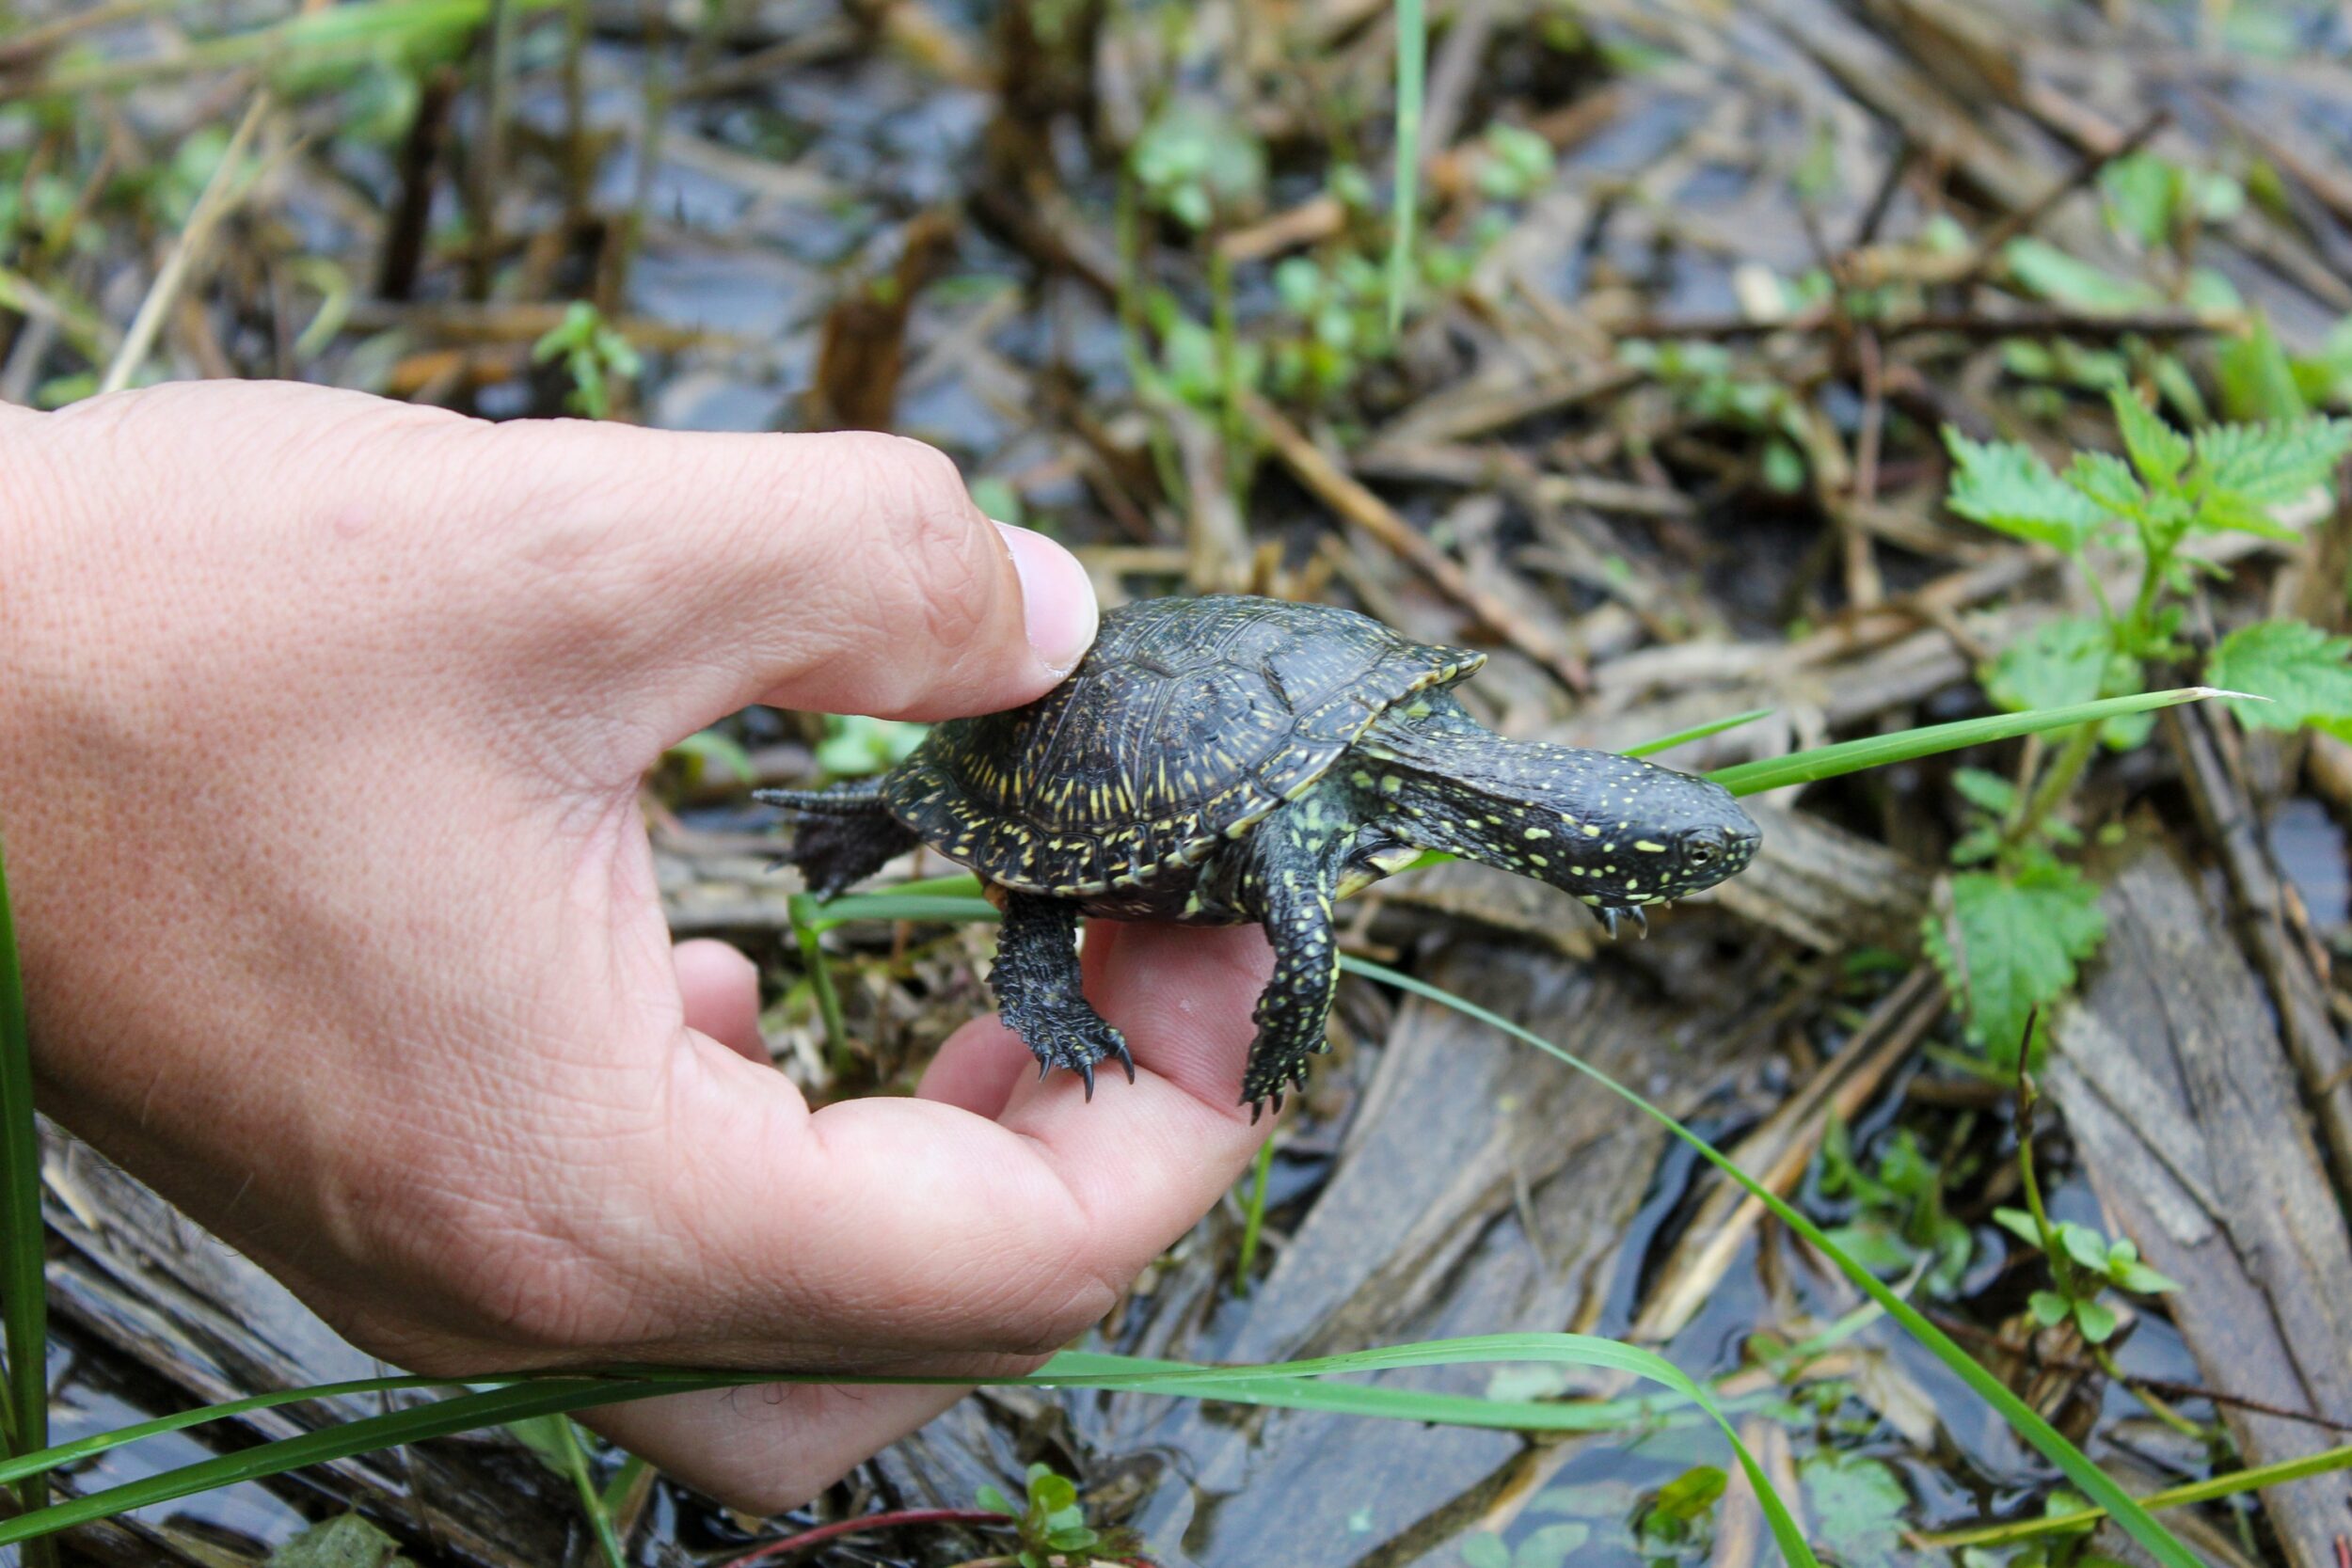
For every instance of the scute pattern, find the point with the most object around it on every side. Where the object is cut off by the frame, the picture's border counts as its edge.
(1185, 724)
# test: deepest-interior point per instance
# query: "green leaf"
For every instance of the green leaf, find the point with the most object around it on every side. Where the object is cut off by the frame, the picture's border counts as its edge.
(2268, 464)
(346, 1541)
(2107, 480)
(2057, 663)
(2229, 512)
(1076, 1538)
(2019, 1224)
(2142, 1281)
(1860, 1505)
(1988, 792)
(995, 1500)
(2096, 1319)
(2257, 380)
(2012, 945)
(2306, 674)
(2041, 268)
(2007, 486)
(1486, 1550)
(1050, 1491)
(2158, 452)
(1551, 1547)
(2048, 1307)
(2085, 1245)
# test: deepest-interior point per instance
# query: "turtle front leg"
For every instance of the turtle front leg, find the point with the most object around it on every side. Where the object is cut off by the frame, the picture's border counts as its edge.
(1289, 886)
(1037, 985)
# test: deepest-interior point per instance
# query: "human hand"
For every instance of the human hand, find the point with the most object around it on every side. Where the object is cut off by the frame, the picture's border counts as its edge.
(319, 756)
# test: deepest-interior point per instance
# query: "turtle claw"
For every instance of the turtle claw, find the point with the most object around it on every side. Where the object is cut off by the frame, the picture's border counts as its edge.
(1075, 1040)
(1610, 913)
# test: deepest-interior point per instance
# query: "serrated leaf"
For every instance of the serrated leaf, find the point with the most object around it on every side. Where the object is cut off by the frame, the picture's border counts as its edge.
(2056, 664)
(2157, 450)
(2009, 488)
(346, 1541)
(2012, 945)
(2268, 464)
(2048, 1307)
(2230, 512)
(2096, 1319)
(2107, 480)
(2306, 674)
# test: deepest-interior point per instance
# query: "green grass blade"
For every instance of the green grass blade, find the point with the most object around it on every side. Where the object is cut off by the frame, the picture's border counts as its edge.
(2095, 1483)
(896, 905)
(1578, 1349)
(1698, 732)
(530, 1395)
(1412, 52)
(98, 1443)
(1878, 750)
(2278, 1474)
(591, 1500)
(26, 1308)
(464, 1413)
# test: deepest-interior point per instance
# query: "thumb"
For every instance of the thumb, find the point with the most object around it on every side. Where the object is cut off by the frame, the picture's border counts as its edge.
(848, 573)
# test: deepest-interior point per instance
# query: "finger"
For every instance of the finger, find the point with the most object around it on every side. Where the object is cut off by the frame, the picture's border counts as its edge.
(916, 1225)
(773, 1447)
(977, 1068)
(846, 573)
(720, 989)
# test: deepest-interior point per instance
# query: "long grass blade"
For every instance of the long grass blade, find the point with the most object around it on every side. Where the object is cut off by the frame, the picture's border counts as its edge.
(1878, 750)
(1698, 732)
(2230, 1485)
(1413, 53)
(1289, 1383)
(2095, 1483)
(26, 1308)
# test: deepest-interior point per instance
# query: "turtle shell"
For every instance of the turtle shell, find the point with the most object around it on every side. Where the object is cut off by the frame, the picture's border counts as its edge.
(1185, 724)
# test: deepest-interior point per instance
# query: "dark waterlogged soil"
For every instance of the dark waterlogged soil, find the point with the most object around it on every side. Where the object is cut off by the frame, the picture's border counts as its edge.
(816, 212)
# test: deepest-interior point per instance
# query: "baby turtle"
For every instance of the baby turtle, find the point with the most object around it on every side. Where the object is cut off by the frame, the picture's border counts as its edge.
(1217, 761)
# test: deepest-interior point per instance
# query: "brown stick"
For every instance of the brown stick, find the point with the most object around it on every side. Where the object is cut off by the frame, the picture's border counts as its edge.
(2085, 170)
(1344, 494)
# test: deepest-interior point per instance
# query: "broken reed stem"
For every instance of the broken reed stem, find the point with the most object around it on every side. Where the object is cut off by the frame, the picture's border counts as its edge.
(211, 206)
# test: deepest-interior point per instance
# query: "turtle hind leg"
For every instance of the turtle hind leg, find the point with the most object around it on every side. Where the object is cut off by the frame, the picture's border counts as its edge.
(839, 836)
(1036, 983)
(1288, 887)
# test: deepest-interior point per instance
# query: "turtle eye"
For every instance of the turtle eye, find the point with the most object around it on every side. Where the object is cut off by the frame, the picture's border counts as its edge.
(1699, 852)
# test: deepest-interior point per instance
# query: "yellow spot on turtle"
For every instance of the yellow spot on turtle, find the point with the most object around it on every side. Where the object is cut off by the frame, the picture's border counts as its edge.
(1654, 848)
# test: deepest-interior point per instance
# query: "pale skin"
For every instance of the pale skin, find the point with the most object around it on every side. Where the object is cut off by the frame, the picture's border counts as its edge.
(320, 742)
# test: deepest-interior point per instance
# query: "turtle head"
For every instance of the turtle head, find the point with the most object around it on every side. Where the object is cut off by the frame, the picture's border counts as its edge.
(1617, 833)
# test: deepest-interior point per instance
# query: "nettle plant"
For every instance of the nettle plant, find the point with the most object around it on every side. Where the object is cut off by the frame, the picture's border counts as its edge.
(2023, 917)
